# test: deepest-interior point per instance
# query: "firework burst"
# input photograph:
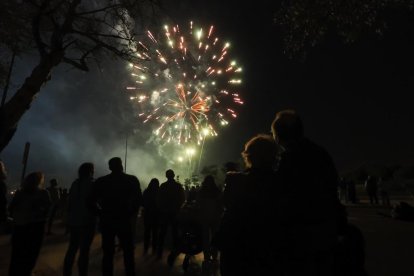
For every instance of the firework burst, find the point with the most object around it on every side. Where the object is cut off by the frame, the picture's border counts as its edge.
(185, 83)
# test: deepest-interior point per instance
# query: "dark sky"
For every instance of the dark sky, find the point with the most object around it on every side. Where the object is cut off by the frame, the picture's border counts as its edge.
(355, 100)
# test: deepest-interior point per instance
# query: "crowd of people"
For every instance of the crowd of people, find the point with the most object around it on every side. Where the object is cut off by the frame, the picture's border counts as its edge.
(279, 216)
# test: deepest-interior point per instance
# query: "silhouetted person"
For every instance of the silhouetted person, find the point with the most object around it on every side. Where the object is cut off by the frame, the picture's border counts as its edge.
(383, 191)
(192, 194)
(249, 228)
(3, 195)
(151, 216)
(309, 198)
(210, 204)
(28, 208)
(81, 221)
(351, 191)
(372, 189)
(342, 188)
(63, 206)
(55, 198)
(169, 200)
(119, 197)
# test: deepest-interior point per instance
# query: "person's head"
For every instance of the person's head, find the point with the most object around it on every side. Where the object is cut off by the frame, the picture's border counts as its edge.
(287, 127)
(115, 165)
(260, 152)
(86, 170)
(170, 174)
(53, 182)
(33, 181)
(154, 184)
(3, 172)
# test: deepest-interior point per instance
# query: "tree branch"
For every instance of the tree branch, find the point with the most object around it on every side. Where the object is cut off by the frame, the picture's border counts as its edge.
(80, 65)
(102, 35)
(41, 46)
(100, 10)
(119, 53)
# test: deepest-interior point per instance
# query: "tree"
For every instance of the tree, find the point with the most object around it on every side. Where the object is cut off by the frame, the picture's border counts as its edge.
(307, 23)
(74, 32)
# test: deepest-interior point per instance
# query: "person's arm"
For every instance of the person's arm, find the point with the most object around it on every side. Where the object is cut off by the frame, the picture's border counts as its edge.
(93, 196)
(46, 203)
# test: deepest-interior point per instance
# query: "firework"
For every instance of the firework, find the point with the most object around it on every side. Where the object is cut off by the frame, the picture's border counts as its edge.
(185, 83)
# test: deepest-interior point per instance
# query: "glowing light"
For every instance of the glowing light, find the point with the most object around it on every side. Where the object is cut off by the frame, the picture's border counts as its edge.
(190, 151)
(199, 34)
(206, 131)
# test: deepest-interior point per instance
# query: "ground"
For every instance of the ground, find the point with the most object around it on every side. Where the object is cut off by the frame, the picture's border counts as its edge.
(389, 245)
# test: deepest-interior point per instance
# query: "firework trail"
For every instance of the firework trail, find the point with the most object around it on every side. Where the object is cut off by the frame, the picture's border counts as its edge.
(185, 83)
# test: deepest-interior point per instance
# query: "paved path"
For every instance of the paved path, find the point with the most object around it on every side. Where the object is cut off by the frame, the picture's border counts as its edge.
(389, 249)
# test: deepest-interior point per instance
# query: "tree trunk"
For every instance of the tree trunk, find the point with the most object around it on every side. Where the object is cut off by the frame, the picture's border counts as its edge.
(14, 109)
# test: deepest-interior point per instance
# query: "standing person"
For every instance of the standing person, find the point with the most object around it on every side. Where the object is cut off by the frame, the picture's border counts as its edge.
(351, 191)
(117, 197)
(310, 205)
(63, 206)
(3, 195)
(210, 204)
(28, 208)
(169, 201)
(343, 196)
(81, 221)
(372, 189)
(248, 233)
(383, 191)
(151, 216)
(55, 198)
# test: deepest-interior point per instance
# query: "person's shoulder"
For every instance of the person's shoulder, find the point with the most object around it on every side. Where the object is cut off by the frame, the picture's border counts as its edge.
(75, 182)
(43, 193)
(102, 178)
(163, 186)
(131, 177)
(311, 145)
(178, 185)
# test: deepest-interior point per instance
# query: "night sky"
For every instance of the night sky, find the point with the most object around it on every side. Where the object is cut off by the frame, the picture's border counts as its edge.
(355, 100)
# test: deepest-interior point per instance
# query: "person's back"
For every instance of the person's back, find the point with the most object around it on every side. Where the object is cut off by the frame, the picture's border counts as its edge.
(210, 203)
(28, 208)
(249, 230)
(118, 195)
(78, 212)
(81, 221)
(310, 207)
(309, 181)
(170, 197)
(151, 216)
(149, 197)
(251, 201)
(54, 194)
